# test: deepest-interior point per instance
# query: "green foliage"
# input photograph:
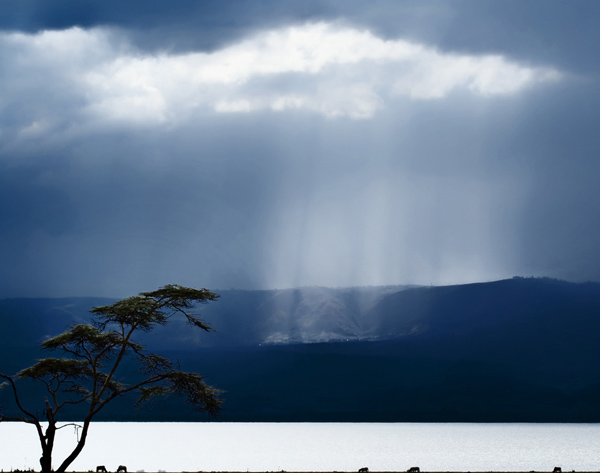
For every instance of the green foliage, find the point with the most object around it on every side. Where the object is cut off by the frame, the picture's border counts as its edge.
(153, 364)
(56, 367)
(151, 308)
(94, 353)
(84, 337)
(147, 393)
(195, 390)
(91, 343)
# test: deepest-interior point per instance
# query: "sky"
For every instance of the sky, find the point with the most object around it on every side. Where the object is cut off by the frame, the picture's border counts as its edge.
(264, 144)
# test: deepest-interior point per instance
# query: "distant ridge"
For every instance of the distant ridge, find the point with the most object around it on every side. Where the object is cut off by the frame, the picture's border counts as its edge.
(521, 349)
(320, 314)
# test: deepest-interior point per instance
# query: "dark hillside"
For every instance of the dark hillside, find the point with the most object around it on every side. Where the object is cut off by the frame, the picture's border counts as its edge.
(27, 321)
(516, 350)
(459, 310)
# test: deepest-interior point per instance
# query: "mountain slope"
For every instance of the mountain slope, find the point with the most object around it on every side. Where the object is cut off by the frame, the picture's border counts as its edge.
(513, 350)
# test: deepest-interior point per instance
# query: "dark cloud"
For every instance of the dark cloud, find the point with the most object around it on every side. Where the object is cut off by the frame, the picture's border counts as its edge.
(180, 25)
(29, 202)
(560, 33)
(101, 196)
(559, 230)
(546, 31)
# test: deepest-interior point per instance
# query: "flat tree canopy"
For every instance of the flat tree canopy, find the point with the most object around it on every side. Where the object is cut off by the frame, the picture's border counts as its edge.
(92, 355)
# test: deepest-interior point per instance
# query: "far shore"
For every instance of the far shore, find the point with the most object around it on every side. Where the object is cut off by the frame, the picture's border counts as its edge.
(353, 471)
(333, 471)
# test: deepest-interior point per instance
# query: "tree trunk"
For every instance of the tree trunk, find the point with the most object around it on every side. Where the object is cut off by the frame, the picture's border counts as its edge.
(46, 459)
(75, 453)
(48, 441)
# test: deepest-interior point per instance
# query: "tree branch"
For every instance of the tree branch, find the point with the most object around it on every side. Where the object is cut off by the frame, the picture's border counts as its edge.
(16, 395)
(67, 425)
(117, 362)
(154, 379)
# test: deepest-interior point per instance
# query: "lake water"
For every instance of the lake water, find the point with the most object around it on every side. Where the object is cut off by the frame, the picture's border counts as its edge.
(314, 447)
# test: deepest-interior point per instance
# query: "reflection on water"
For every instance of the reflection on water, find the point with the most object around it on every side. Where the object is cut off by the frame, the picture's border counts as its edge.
(315, 447)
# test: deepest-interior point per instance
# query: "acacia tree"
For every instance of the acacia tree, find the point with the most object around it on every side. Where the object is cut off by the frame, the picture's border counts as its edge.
(92, 355)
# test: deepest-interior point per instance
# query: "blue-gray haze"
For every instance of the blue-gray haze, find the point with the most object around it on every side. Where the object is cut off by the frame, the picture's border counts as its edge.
(273, 144)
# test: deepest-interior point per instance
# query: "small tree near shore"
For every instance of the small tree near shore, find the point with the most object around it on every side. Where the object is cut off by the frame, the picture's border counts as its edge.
(93, 353)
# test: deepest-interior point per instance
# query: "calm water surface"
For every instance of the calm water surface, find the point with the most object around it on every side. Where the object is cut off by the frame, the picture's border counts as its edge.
(315, 447)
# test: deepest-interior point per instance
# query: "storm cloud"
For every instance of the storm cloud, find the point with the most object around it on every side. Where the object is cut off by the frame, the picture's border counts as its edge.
(225, 145)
